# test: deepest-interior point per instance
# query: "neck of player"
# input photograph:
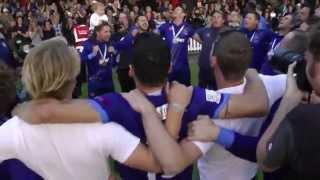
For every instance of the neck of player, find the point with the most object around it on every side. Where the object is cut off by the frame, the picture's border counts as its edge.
(147, 89)
(178, 21)
(223, 83)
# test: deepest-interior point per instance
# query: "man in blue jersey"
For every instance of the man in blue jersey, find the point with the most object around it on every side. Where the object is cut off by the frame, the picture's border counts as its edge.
(177, 34)
(259, 39)
(206, 36)
(151, 63)
(99, 61)
(122, 33)
(287, 24)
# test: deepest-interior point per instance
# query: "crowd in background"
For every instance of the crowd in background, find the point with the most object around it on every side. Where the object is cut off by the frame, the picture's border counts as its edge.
(25, 26)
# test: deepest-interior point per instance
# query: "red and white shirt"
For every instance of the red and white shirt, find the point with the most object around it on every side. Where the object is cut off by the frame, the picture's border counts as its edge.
(81, 34)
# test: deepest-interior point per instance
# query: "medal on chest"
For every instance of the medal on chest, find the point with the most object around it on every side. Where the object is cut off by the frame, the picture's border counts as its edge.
(103, 61)
(175, 36)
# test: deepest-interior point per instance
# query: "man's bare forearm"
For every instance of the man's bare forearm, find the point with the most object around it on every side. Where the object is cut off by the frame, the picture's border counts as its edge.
(75, 111)
(173, 122)
(164, 147)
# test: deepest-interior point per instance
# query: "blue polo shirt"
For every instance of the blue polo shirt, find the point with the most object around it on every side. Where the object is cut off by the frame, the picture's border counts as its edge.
(259, 40)
(116, 108)
(177, 38)
(207, 35)
(99, 75)
(266, 67)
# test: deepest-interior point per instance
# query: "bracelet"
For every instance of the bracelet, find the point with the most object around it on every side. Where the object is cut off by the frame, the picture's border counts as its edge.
(177, 107)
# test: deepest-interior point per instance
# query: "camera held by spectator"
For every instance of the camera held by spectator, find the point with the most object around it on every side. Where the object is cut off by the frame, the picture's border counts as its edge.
(283, 57)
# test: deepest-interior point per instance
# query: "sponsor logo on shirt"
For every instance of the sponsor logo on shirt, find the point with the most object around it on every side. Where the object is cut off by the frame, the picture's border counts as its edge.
(213, 96)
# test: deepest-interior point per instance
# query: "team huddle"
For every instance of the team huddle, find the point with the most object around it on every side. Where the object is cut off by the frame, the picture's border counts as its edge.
(160, 126)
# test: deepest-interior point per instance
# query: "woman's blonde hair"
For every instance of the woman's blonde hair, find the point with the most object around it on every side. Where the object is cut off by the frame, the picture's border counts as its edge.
(50, 69)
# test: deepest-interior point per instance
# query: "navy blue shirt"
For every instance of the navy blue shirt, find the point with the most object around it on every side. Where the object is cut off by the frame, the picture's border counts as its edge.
(178, 45)
(259, 40)
(15, 170)
(207, 35)
(123, 43)
(266, 67)
(203, 102)
(99, 67)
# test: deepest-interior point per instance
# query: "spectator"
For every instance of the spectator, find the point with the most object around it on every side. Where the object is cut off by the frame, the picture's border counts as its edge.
(35, 32)
(48, 30)
(290, 139)
(98, 15)
(197, 21)
(234, 19)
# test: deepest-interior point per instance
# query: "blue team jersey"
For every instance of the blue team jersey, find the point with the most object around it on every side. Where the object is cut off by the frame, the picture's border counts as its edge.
(266, 67)
(99, 66)
(259, 40)
(14, 169)
(203, 102)
(177, 40)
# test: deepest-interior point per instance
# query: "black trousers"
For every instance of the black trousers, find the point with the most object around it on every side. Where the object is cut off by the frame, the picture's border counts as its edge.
(206, 79)
(126, 82)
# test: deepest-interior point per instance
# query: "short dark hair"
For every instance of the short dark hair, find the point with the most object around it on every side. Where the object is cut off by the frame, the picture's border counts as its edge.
(137, 18)
(101, 25)
(7, 89)
(151, 59)
(183, 10)
(314, 44)
(233, 58)
(256, 15)
(99, 28)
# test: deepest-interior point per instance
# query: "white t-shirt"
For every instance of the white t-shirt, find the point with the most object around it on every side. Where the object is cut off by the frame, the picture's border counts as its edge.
(218, 163)
(96, 19)
(65, 152)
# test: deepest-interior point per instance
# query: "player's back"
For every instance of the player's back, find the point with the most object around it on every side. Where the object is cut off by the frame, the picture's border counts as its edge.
(216, 164)
(60, 151)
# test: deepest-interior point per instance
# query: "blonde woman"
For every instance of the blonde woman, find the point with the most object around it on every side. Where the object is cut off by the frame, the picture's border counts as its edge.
(60, 151)
(35, 32)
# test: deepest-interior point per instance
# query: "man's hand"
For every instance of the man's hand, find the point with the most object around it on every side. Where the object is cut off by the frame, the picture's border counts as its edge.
(29, 111)
(203, 129)
(178, 94)
(138, 101)
(95, 50)
(292, 90)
